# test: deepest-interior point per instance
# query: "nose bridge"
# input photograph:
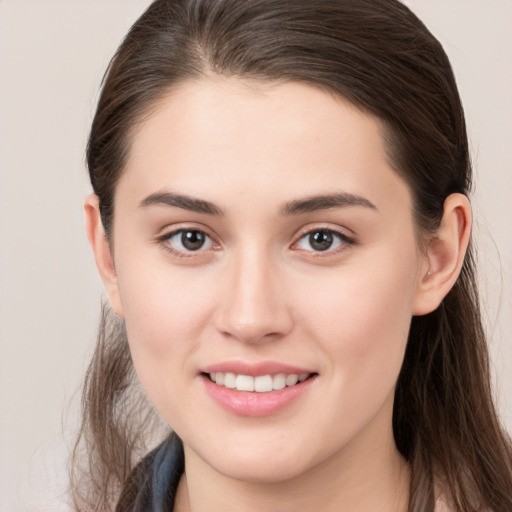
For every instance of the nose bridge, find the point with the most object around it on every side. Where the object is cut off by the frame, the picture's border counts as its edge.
(254, 305)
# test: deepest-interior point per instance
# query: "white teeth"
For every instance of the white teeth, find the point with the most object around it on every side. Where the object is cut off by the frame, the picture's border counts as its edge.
(244, 383)
(292, 379)
(263, 384)
(260, 384)
(279, 381)
(229, 380)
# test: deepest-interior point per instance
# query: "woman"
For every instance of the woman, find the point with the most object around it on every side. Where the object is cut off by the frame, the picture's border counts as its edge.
(280, 218)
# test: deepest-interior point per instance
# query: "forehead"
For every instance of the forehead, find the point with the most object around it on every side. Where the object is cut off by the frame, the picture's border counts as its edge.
(281, 138)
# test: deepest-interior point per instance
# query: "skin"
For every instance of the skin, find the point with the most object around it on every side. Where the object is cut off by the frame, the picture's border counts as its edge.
(258, 290)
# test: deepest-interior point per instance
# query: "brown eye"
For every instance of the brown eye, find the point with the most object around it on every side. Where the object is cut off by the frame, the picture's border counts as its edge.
(192, 240)
(188, 241)
(321, 240)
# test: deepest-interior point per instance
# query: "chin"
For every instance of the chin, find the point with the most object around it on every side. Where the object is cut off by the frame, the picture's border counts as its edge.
(268, 471)
(259, 462)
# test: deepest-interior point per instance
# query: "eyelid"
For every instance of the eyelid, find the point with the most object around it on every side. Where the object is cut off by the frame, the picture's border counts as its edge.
(347, 240)
(162, 240)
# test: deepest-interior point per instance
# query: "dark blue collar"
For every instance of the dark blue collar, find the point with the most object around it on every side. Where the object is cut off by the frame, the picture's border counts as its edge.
(153, 483)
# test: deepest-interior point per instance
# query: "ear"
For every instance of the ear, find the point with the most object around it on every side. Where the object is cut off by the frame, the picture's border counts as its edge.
(102, 251)
(445, 253)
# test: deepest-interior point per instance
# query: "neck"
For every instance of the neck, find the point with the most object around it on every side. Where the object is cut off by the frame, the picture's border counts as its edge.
(368, 475)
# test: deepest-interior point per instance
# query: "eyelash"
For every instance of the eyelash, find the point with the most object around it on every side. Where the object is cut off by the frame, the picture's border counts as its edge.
(342, 237)
(344, 240)
(164, 242)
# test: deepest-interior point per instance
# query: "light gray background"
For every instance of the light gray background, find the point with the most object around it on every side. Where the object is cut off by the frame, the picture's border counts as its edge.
(52, 57)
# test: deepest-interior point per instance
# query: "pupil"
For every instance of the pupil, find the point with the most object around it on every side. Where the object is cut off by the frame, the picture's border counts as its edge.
(321, 240)
(192, 240)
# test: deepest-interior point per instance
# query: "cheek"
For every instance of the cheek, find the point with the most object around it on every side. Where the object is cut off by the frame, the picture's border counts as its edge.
(362, 319)
(165, 311)
(165, 314)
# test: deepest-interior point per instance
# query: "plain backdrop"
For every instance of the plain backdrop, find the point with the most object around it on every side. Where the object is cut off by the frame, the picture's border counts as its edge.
(52, 57)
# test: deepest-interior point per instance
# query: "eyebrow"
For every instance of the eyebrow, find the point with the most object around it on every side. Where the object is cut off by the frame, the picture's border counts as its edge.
(295, 207)
(181, 201)
(325, 202)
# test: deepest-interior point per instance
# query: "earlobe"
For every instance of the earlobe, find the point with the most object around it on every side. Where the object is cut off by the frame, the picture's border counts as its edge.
(102, 251)
(445, 253)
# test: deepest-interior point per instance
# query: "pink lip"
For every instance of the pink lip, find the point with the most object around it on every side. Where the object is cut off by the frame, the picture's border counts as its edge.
(254, 369)
(244, 403)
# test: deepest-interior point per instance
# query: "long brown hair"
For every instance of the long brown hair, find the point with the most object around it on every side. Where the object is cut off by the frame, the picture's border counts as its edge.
(379, 56)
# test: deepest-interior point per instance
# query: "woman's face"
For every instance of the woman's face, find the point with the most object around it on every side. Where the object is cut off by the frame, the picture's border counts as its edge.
(261, 235)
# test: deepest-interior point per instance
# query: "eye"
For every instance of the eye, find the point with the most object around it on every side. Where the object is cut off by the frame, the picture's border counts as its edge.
(322, 240)
(188, 240)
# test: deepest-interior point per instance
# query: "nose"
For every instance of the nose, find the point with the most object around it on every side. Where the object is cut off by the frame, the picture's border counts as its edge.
(253, 307)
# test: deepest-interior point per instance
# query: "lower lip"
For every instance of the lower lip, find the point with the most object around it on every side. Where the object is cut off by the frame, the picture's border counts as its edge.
(245, 403)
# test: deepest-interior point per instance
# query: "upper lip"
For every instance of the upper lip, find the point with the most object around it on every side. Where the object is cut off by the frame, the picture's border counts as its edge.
(255, 369)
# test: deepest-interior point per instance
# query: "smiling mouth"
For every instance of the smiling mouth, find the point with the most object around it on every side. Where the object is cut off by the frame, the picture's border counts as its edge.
(259, 384)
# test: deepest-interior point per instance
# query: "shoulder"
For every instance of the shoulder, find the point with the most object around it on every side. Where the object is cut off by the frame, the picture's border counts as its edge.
(153, 482)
